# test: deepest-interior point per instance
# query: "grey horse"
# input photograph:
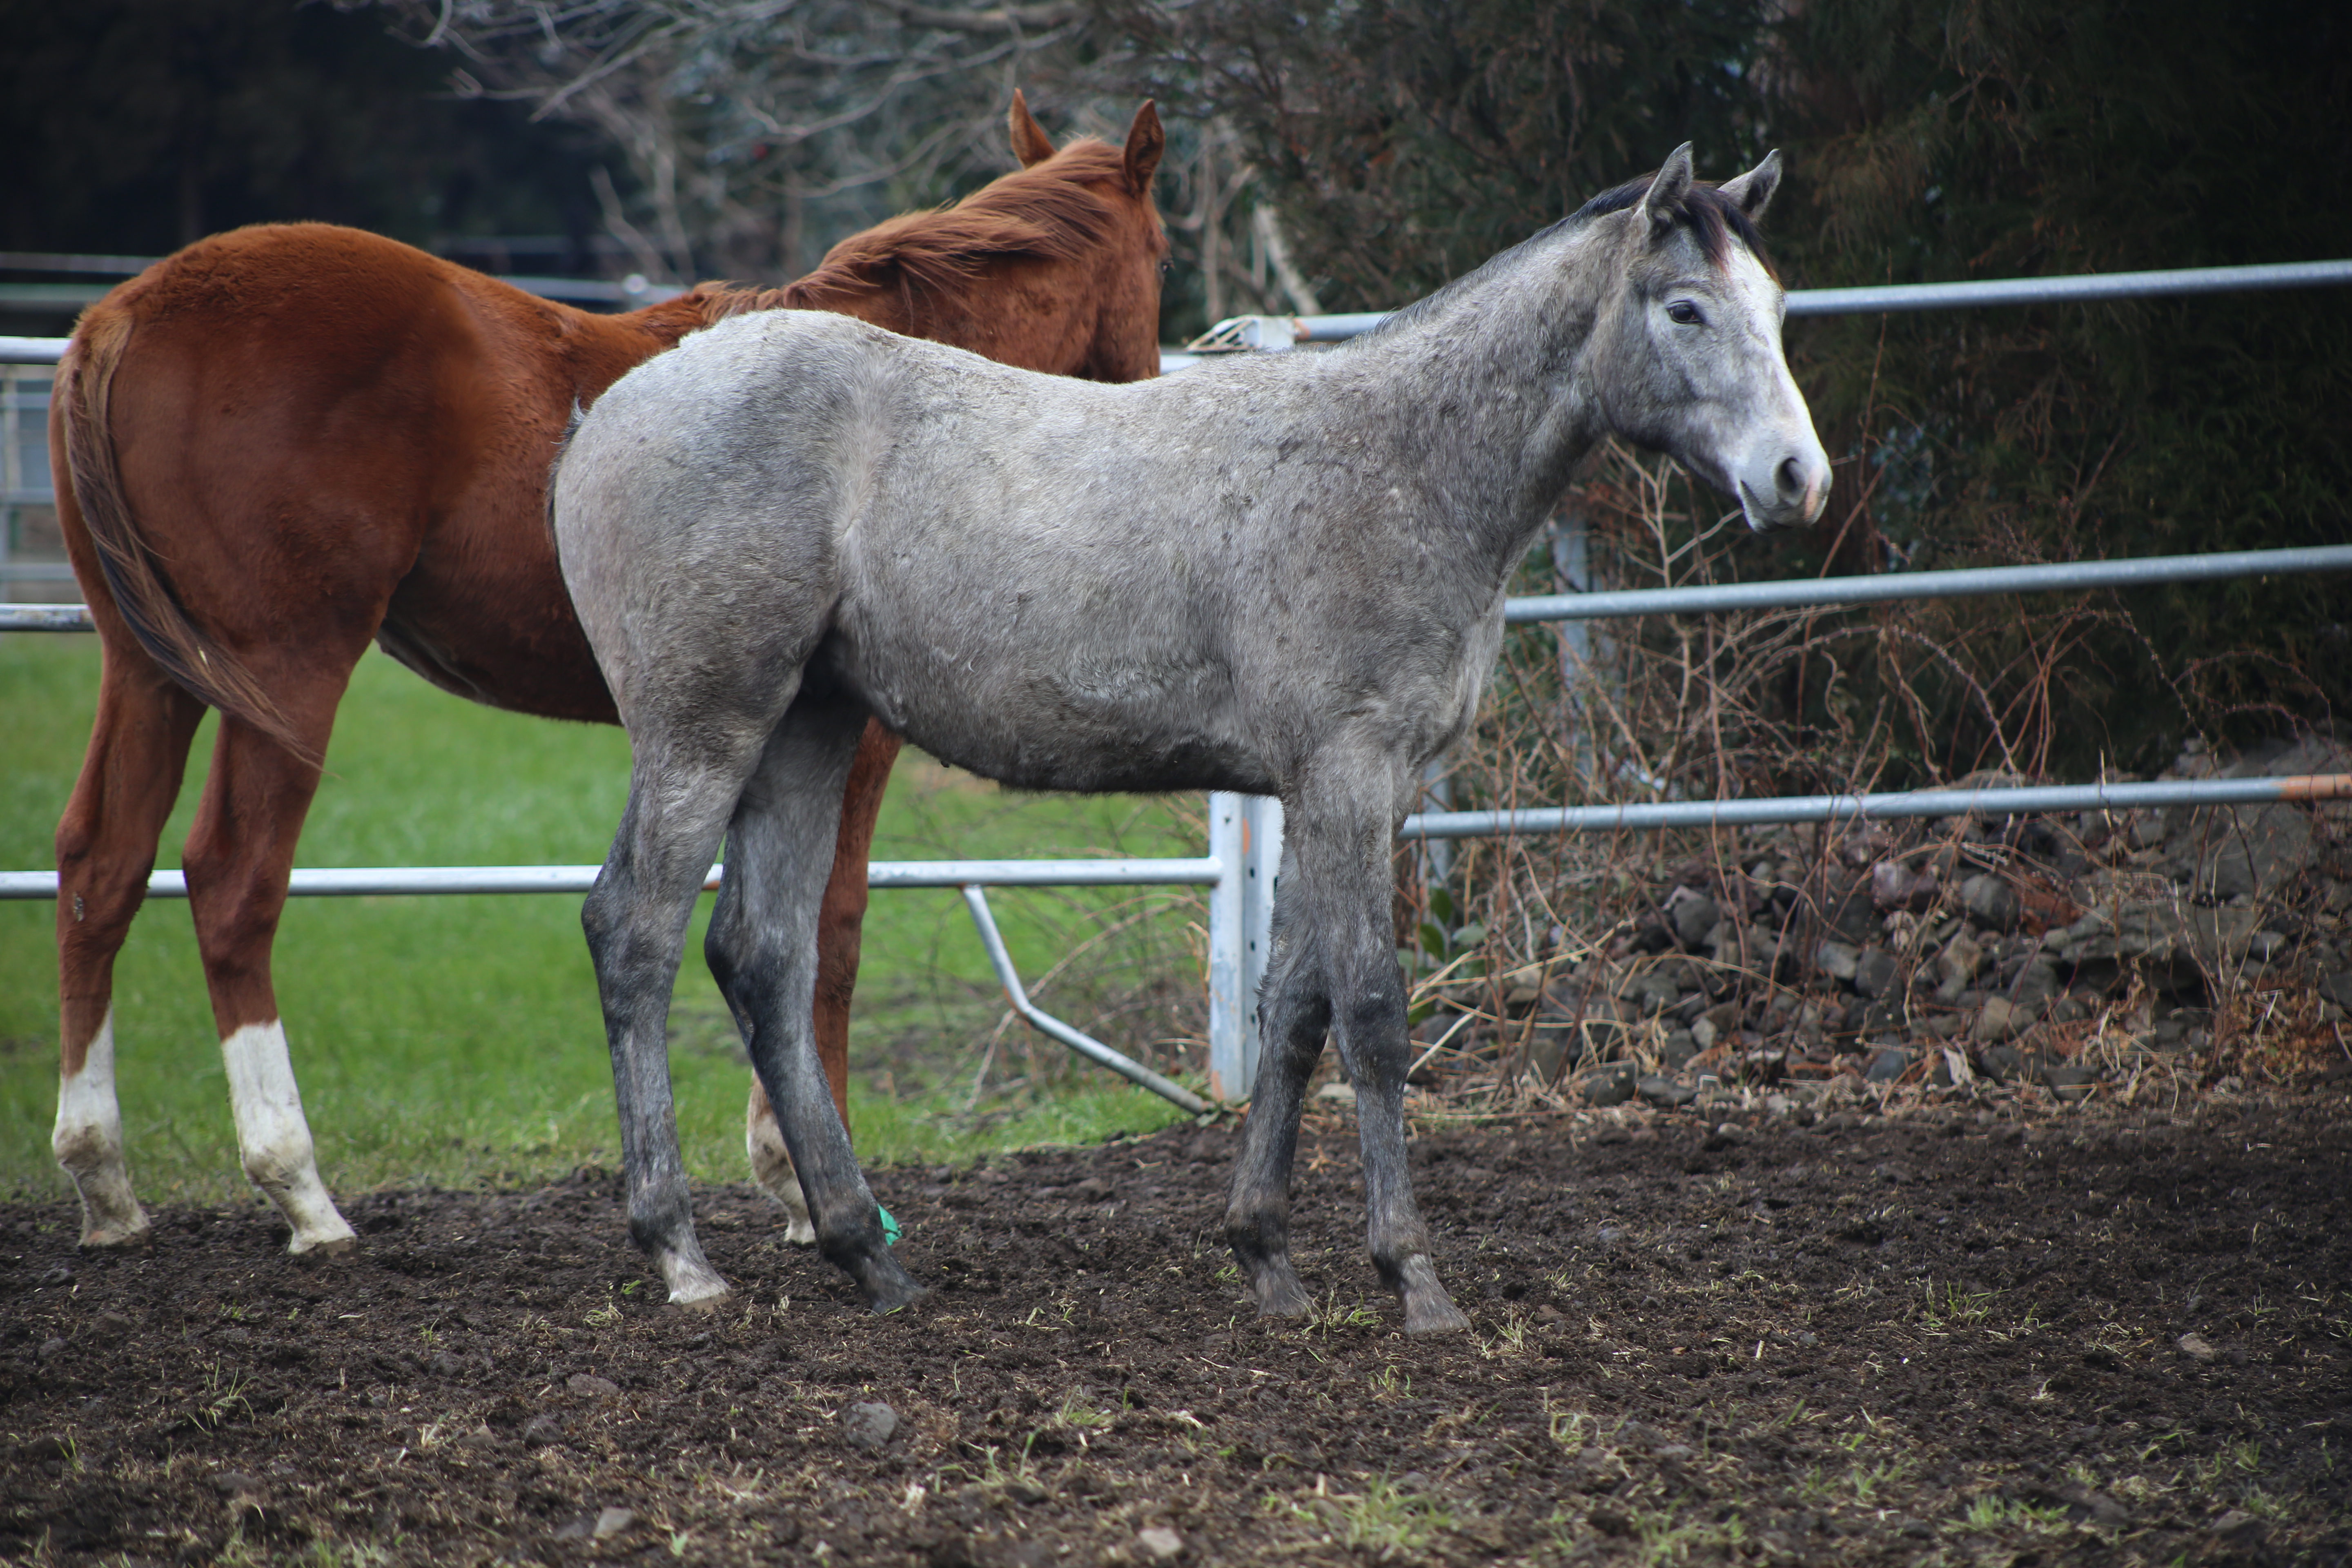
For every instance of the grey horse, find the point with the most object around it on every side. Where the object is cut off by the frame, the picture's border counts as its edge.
(1279, 574)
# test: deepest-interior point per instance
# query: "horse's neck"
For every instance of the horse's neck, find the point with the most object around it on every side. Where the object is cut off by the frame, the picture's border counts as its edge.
(1491, 411)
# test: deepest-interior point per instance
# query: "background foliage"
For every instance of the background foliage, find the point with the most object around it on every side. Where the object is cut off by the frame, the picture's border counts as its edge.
(137, 126)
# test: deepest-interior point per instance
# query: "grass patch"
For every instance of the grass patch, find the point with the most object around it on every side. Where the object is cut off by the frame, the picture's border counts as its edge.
(456, 1041)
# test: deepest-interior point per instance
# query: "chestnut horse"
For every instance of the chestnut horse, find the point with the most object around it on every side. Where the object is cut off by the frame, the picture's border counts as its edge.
(287, 440)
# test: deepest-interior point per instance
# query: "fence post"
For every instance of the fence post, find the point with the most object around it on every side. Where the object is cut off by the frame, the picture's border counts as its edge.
(1261, 867)
(1229, 996)
(1245, 840)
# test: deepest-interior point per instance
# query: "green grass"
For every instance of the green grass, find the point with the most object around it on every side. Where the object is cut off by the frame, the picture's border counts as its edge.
(457, 1040)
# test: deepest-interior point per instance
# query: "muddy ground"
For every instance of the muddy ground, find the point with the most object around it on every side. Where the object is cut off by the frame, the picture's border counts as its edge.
(1917, 1339)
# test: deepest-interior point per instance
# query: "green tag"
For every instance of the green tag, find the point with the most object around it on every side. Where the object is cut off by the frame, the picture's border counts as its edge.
(890, 1231)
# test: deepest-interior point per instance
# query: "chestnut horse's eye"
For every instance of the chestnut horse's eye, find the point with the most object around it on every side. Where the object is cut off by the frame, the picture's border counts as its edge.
(1683, 313)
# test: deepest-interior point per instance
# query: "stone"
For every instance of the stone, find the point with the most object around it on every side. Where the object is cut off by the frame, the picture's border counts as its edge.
(2036, 981)
(1893, 887)
(231, 1483)
(1999, 1019)
(1875, 972)
(1889, 1064)
(543, 1430)
(1836, 960)
(1612, 1084)
(2197, 1347)
(1549, 1050)
(1991, 901)
(1677, 1049)
(1655, 991)
(1703, 1032)
(2243, 852)
(1158, 1543)
(2237, 1528)
(611, 1521)
(1666, 1093)
(2000, 1063)
(588, 1385)
(1956, 965)
(868, 1424)
(1693, 915)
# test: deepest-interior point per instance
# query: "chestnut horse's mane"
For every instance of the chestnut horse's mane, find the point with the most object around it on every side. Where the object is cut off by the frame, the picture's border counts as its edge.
(1058, 210)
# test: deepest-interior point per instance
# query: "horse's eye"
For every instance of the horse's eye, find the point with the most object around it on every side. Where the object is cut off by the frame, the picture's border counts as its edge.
(1683, 313)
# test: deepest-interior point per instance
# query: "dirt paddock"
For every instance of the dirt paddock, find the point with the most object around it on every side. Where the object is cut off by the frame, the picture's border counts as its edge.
(1915, 1339)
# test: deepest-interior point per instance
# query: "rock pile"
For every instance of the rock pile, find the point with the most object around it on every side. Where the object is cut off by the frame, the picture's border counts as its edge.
(2057, 950)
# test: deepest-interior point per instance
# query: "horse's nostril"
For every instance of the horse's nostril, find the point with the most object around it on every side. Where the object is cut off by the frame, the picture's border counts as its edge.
(1791, 479)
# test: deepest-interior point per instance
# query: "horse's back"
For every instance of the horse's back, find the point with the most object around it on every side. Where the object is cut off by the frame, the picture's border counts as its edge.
(319, 432)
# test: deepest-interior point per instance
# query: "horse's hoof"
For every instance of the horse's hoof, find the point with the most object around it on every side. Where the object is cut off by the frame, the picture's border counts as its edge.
(885, 1306)
(119, 1234)
(703, 1303)
(886, 1286)
(1274, 1287)
(1288, 1300)
(1440, 1317)
(800, 1232)
(1428, 1310)
(344, 1246)
(692, 1283)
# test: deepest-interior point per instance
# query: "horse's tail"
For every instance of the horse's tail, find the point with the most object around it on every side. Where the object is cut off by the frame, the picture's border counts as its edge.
(134, 577)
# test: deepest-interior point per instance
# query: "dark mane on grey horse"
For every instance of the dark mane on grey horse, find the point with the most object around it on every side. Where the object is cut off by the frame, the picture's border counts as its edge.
(1715, 218)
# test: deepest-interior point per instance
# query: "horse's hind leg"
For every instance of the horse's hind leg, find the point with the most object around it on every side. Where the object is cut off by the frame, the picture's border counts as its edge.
(1294, 1013)
(240, 858)
(763, 950)
(840, 925)
(683, 785)
(106, 847)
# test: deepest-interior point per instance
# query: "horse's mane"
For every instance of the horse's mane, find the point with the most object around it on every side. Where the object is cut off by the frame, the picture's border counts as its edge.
(1715, 217)
(1058, 210)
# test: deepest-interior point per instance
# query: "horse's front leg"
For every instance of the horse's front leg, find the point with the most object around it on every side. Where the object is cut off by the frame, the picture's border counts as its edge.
(763, 950)
(635, 917)
(1346, 858)
(1294, 1013)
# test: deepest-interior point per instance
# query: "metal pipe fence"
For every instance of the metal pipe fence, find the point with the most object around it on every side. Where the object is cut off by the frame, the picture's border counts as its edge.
(1245, 831)
(1278, 332)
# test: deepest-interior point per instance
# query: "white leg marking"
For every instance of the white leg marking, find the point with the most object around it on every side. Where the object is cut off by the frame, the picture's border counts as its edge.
(88, 1142)
(274, 1141)
(771, 1167)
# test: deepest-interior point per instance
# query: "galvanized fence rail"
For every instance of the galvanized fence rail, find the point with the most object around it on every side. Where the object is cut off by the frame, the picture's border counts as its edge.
(1244, 831)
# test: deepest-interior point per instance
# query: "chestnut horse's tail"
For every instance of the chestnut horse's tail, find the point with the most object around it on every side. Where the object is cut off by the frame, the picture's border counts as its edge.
(133, 575)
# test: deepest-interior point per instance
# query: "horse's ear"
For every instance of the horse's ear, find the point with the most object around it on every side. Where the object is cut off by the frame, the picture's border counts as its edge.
(1667, 191)
(1030, 142)
(1145, 143)
(1752, 192)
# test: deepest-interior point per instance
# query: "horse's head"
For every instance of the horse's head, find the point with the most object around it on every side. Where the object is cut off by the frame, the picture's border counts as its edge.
(1055, 267)
(1686, 355)
(1121, 274)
